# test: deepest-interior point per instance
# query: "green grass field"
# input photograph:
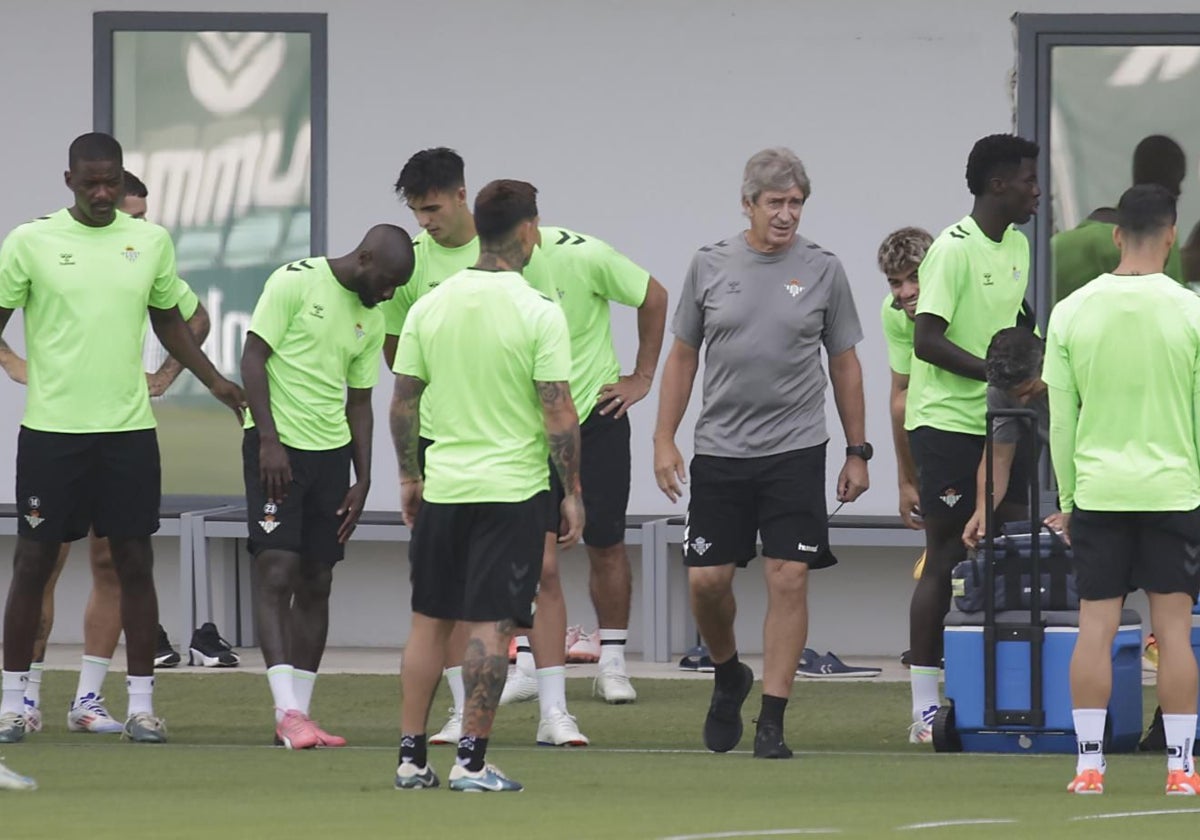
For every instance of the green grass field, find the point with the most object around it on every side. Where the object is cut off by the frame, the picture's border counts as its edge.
(647, 776)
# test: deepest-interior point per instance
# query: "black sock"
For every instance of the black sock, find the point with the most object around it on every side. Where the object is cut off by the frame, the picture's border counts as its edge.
(728, 673)
(772, 710)
(412, 750)
(471, 751)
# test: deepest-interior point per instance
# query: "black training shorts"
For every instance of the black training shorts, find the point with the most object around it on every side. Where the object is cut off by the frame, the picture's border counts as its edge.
(306, 521)
(781, 497)
(68, 484)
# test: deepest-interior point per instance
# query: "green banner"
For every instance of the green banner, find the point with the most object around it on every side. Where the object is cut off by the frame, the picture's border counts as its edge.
(218, 125)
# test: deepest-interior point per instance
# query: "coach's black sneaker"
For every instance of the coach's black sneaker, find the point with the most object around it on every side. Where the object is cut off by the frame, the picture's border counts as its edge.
(165, 656)
(723, 726)
(210, 650)
(768, 742)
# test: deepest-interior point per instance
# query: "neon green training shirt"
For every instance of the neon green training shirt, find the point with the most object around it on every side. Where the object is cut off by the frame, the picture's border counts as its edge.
(85, 291)
(588, 273)
(1123, 368)
(323, 341)
(898, 332)
(480, 341)
(976, 285)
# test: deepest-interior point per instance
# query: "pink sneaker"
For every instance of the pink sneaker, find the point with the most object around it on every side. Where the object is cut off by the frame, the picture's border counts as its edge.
(324, 739)
(573, 634)
(585, 649)
(296, 731)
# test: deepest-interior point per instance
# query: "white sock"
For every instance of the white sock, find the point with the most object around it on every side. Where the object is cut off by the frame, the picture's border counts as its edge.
(92, 671)
(457, 691)
(612, 649)
(1089, 734)
(552, 689)
(141, 695)
(1181, 732)
(33, 689)
(525, 663)
(13, 688)
(303, 683)
(283, 693)
(924, 684)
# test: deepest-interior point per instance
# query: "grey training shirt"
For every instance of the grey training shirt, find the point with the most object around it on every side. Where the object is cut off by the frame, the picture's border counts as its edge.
(1010, 429)
(763, 319)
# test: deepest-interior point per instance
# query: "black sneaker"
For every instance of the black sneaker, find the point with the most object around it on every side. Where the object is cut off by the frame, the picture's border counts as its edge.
(768, 742)
(697, 659)
(209, 650)
(165, 656)
(723, 726)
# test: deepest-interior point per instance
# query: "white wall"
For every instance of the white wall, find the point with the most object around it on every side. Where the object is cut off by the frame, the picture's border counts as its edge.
(634, 117)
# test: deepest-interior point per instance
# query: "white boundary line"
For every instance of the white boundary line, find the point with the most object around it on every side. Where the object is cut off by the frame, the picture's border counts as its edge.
(768, 832)
(1122, 814)
(952, 823)
(116, 743)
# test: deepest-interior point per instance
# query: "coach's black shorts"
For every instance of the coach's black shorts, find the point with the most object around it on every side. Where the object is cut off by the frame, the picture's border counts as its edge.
(68, 484)
(306, 522)
(947, 469)
(604, 473)
(478, 561)
(1118, 552)
(735, 499)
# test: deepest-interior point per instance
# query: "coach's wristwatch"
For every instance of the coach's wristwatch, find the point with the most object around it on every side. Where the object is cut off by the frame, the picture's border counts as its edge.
(864, 451)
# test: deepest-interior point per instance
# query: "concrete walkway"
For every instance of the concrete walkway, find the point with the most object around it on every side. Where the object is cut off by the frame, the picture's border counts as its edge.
(387, 661)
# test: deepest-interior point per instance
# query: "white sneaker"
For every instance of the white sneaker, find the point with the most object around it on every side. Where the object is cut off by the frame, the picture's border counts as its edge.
(12, 780)
(921, 731)
(451, 732)
(33, 717)
(519, 687)
(613, 686)
(560, 730)
(89, 715)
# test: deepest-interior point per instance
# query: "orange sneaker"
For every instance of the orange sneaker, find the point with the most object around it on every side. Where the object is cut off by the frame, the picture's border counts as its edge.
(1089, 781)
(324, 739)
(296, 731)
(1182, 783)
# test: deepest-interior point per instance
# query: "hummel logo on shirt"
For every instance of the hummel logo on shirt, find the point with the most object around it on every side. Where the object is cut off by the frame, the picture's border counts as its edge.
(318, 311)
(66, 259)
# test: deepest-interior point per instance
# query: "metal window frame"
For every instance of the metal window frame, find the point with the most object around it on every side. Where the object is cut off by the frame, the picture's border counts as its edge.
(1037, 36)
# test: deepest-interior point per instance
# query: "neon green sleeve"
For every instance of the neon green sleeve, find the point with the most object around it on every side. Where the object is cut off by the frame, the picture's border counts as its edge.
(279, 303)
(1064, 407)
(14, 279)
(167, 288)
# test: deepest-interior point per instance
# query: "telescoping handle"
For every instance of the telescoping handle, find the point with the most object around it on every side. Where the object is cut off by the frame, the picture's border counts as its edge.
(1034, 633)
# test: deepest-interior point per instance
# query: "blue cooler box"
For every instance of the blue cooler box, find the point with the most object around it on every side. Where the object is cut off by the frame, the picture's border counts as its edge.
(964, 683)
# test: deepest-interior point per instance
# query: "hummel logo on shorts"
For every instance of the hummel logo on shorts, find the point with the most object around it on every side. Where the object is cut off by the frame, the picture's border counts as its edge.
(809, 548)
